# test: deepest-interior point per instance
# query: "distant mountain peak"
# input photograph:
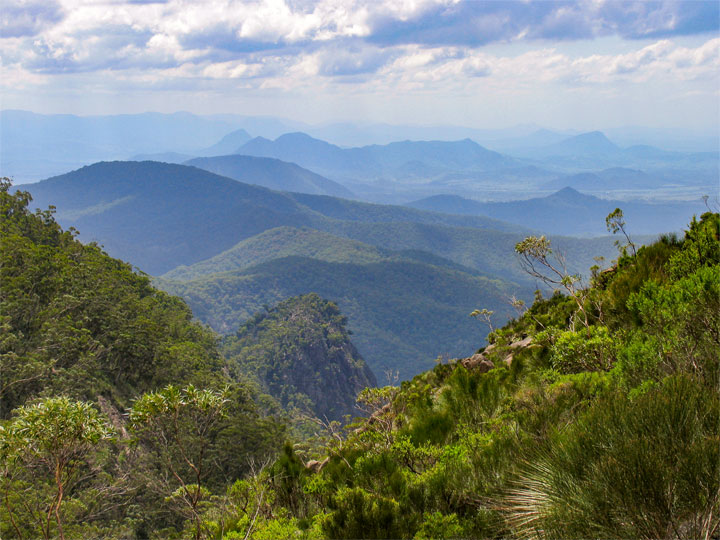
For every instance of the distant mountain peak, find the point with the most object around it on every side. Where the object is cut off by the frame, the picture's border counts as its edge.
(590, 143)
(299, 136)
(593, 137)
(237, 134)
(296, 135)
(259, 139)
(567, 191)
(569, 194)
(228, 144)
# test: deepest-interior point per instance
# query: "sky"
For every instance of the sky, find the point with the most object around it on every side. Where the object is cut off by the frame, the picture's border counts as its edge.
(585, 64)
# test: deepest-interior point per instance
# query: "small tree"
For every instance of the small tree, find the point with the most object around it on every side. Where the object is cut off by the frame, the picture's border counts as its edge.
(179, 426)
(540, 261)
(615, 222)
(47, 443)
(484, 315)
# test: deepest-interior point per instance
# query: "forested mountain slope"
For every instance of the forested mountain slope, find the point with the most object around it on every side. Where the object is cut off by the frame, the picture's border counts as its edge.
(593, 415)
(403, 312)
(300, 352)
(159, 215)
(84, 342)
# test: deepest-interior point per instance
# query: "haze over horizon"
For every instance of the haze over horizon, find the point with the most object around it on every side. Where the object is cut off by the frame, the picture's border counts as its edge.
(563, 65)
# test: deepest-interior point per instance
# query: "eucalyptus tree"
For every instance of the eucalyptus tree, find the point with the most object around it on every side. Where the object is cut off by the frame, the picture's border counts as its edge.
(179, 426)
(44, 449)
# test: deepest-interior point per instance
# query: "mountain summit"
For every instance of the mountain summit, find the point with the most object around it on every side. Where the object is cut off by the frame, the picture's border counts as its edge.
(587, 144)
(300, 352)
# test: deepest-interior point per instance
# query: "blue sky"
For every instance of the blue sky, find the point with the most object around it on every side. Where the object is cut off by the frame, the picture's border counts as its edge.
(585, 64)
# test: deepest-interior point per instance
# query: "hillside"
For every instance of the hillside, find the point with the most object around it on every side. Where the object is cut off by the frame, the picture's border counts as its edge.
(301, 354)
(594, 425)
(278, 243)
(461, 248)
(270, 173)
(571, 212)
(160, 216)
(403, 312)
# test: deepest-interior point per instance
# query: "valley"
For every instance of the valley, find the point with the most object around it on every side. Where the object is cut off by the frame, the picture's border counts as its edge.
(369, 321)
(360, 269)
(229, 248)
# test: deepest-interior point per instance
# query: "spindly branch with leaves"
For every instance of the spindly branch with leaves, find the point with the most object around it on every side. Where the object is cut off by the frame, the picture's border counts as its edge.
(540, 261)
(615, 222)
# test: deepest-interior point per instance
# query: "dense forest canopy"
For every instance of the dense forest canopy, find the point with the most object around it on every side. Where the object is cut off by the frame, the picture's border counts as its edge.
(85, 340)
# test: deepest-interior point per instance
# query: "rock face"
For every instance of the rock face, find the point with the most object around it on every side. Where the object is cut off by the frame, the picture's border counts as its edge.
(482, 361)
(300, 352)
(477, 362)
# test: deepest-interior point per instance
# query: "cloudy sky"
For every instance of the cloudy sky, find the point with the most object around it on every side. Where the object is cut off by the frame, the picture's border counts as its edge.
(581, 64)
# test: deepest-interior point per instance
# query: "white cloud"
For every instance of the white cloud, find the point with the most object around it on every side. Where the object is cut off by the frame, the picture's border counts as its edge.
(376, 48)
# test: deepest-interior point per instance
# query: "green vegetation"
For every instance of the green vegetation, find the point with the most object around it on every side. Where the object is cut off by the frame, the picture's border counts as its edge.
(276, 244)
(403, 313)
(79, 323)
(84, 339)
(381, 291)
(301, 354)
(41, 449)
(564, 429)
(591, 414)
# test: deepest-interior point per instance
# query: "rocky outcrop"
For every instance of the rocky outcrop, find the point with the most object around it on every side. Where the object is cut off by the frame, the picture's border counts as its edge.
(477, 362)
(300, 352)
(482, 362)
(316, 466)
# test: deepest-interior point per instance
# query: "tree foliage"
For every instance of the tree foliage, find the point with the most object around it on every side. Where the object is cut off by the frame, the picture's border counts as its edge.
(43, 450)
(608, 430)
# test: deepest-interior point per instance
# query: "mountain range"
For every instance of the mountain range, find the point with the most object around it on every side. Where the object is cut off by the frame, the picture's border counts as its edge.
(402, 171)
(376, 161)
(594, 150)
(270, 173)
(571, 212)
(35, 146)
(229, 248)
(161, 215)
